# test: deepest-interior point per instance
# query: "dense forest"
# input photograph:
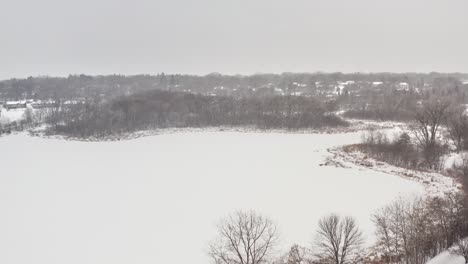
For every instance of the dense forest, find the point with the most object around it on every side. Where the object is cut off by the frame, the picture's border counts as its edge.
(162, 109)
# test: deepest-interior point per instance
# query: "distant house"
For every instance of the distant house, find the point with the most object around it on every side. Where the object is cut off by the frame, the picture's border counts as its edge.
(15, 105)
(403, 86)
(376, 84)
(43, 104)
(349, 83)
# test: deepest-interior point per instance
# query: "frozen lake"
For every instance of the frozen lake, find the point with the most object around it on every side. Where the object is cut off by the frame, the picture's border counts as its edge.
(158, 199)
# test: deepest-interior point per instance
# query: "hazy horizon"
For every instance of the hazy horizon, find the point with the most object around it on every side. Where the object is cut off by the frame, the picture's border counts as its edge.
(58, 38)
(221, 73)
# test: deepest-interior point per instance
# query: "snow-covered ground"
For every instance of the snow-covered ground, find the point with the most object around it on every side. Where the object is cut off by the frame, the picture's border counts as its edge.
(157, 199)
(12, 115)
(436, 184)
(447, 258)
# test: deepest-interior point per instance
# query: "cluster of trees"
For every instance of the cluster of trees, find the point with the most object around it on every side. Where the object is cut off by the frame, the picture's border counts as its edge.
(399, 104)
(162, 109)
(399, 151)
(110, 86)
(380, 104)
(249, 238)
(457, 126)
(426, 129)
(412, 231)
(437, 125)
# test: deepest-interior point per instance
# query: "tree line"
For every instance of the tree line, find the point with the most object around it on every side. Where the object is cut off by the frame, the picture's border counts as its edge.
(415, 230)
(395, 104)
(163, 109)
(111, 86)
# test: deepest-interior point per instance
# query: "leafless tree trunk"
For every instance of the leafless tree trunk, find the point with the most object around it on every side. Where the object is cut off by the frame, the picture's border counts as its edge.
(426, 128)
(338, 240)
(463, 174)
(244, 238)
(458, 127)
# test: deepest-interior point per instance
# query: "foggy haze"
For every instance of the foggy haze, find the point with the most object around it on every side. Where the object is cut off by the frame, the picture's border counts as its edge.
(59, 37)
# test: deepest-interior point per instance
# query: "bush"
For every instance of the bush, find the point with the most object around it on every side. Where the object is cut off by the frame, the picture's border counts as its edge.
(398, 152)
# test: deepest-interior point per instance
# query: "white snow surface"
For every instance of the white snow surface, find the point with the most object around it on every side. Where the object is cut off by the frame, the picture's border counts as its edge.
(447, 258)
(157, 199)
(13, 115)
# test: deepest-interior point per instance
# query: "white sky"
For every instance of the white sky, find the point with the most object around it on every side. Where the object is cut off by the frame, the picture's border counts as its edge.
(58, 37)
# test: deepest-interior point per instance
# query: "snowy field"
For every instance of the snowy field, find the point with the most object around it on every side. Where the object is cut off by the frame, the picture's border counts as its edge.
(158, 199)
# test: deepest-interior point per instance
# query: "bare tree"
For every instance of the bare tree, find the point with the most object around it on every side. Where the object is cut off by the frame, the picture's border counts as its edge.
(338, 240)
(244, 238)
(462, 167)
(458, 127)
(56, 112)
(387, 233)
(426, 128)
(461, 249)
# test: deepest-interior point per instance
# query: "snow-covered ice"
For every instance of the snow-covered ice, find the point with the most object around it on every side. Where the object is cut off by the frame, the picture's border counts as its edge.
(157, 199)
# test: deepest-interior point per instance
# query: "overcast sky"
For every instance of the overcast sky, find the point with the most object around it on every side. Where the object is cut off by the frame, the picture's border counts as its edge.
(58, 37)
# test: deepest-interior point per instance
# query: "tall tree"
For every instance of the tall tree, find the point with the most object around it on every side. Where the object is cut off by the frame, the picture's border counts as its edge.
(338, 240)
(426, 127)
(244, 238)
